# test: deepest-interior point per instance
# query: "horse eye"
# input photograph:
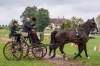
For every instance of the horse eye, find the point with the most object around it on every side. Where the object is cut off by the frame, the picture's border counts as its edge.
(93, 23)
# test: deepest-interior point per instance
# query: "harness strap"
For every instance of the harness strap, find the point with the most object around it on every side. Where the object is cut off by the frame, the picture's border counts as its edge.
(77, 33)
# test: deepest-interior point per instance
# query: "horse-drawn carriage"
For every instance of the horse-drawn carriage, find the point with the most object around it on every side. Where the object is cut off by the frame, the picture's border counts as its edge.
(15, 50)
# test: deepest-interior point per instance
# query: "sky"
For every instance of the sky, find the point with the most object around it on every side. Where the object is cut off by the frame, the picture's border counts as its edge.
(86, 9)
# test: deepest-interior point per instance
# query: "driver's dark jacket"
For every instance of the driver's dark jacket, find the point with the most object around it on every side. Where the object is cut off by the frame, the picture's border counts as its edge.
(27, 26)
(13, 30)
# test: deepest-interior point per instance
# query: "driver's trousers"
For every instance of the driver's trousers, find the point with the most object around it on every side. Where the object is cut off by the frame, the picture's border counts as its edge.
(33, 36)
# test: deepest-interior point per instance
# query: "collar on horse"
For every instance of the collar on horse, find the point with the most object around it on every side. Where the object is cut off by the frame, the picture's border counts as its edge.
(77, 33)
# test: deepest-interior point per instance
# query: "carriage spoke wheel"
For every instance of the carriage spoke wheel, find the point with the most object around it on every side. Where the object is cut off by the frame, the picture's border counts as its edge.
(17, 51)
(44, 48)
(11, 53)
(7, 51)
(30, 54)
(37, 51)
(25, 49)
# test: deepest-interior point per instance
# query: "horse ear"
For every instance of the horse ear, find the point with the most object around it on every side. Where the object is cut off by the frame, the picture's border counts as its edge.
(93, 18)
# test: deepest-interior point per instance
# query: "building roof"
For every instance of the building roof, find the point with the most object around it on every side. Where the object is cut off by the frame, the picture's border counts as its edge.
(57, 21)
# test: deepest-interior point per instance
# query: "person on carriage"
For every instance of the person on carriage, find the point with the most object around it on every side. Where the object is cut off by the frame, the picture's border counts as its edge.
(13, 32)
(28, 27)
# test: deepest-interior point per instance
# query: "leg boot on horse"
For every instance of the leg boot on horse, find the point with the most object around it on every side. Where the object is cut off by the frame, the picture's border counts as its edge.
(63, 53)
(85, 50)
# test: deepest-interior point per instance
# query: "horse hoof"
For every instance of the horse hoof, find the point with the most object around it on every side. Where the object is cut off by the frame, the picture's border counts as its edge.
(88, 57)
(75, 53)
(74, 57)
(66, 58)
(51, 57)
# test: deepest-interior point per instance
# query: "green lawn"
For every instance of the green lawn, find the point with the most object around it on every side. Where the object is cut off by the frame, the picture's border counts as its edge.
(21, 62)
(94, 55)
(4, 32)
(69, 50)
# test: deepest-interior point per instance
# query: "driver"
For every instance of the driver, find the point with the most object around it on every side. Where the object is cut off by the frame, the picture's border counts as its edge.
(27, 27)
(13, 31)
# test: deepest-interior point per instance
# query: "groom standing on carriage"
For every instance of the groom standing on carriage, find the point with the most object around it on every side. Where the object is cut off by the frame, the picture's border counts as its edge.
(27, 27)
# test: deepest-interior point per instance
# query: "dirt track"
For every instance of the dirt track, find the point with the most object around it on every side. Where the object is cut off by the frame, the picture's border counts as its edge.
(58, 60)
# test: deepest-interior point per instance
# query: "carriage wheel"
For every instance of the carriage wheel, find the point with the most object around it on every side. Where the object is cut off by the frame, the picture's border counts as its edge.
(25, 49)
(18, 51)
(7, 51)
(37, 51)
(30, 54)
(12, 53)
(44, 48)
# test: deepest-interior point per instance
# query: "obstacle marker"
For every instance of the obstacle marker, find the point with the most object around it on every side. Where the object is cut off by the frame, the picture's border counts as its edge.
(95, 48)
(49, 37)
(7, 41)
(45, 39)
(76, 45)
(71, 44)
(6, 35)
(99, 48)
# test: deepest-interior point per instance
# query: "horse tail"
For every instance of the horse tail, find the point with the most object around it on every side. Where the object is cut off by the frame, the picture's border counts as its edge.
(53, 40)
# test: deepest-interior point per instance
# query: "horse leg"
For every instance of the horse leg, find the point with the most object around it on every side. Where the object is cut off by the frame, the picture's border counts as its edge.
(54, 54)
(85, 50)
(80, 50)
(63, 53)
(50, 50)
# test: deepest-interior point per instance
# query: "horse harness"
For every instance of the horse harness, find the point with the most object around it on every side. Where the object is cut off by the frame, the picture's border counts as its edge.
(77, 33)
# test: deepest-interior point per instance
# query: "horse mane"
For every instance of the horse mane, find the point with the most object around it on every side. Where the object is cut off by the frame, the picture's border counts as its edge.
(84, 24)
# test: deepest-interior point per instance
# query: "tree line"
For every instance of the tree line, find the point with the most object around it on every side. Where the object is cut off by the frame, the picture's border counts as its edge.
(72, 23)
(43, 19)
(75, 22)
(3, 26)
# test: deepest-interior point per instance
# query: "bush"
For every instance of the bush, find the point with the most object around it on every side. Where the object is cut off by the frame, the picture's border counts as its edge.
(3, 27)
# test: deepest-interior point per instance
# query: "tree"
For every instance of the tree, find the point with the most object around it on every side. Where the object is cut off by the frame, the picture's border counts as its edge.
(42, 16)
(72, 23)
(29, 12)
(6, 26)
(67, 24)
(78, 21)
(98, 20)
(3, 25)
(43, 19)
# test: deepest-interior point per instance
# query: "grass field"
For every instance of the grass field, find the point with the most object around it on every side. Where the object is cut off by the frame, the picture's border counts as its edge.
(23, 61)
(94, 55)
(69, 50)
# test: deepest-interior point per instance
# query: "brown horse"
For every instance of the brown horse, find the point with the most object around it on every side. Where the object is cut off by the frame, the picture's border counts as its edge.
(79, 36)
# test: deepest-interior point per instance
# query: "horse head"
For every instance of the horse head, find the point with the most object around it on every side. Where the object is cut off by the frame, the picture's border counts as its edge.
(93, 24)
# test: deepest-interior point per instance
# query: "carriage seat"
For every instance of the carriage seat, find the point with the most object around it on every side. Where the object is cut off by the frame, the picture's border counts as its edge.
(25, 34)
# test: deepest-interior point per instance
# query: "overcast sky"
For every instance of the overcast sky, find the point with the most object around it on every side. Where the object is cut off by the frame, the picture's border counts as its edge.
(86, 9)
